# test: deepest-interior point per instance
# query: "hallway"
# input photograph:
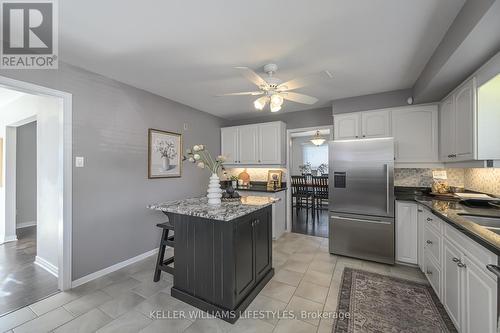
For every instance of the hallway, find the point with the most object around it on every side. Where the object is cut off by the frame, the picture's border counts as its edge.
(22, 282)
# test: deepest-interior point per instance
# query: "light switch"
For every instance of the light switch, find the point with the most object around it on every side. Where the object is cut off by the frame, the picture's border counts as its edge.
(79, 162)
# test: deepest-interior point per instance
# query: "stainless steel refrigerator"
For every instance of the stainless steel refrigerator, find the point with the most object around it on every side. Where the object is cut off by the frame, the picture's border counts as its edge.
(361, 197)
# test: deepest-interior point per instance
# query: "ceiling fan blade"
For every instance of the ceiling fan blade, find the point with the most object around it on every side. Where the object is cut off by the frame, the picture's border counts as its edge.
(299, 98)
(252, 76)
(246, 93)
(301, 82)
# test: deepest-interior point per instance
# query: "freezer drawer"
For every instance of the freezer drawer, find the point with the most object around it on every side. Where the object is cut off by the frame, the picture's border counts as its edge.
(363, 237)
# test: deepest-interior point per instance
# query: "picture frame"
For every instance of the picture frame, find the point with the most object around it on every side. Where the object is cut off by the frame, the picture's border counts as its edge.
(164, 154)
(274, 175)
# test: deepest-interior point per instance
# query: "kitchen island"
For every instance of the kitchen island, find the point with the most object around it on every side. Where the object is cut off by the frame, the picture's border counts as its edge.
(223, 254)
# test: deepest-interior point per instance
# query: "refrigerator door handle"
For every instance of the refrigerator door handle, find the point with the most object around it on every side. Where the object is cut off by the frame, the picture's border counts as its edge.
(358, 220)
(387, 194)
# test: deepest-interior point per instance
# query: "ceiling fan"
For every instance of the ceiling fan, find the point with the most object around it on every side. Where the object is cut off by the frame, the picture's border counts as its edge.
(274, 91)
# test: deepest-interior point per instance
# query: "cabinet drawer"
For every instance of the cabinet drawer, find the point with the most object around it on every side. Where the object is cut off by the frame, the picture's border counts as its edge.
(433, 274)
(432, 244)
(433, 221)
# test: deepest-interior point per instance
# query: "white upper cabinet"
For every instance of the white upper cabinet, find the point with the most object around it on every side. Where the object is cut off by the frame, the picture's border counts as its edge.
(248, 140)
(254, 144)
(347, 126)
(229, 144)
(447, 129)
(270, 147)
(415, 132)
(375, 124)
(465, 108)
(458, 124)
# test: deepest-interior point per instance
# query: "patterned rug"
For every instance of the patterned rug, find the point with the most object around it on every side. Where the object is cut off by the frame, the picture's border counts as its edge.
(378, 303)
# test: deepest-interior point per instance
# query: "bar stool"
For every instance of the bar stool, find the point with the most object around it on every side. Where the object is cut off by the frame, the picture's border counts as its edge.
(166, 240)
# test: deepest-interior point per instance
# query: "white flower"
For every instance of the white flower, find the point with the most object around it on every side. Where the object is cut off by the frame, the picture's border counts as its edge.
(221, 158)
(196, 156)
(201, 165)
(196, 148)
(201, 147)
(192, 160)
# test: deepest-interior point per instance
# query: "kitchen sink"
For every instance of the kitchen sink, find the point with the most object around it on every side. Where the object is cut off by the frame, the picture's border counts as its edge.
(490, 223)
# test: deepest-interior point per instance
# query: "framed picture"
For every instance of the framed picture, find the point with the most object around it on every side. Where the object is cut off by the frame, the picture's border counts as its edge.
(164, 154)
(274, 176)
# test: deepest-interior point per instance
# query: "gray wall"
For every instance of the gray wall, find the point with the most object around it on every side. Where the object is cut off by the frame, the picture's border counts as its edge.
(110, 124)
(371, 102)
(26, 173)
(471, 40)
(297, 119)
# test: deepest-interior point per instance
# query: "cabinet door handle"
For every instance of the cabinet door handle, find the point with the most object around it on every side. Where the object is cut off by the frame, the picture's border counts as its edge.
(364, 136)
(455, 260)
(429, 272)
(461, 264)
(494, 269)
(419, 210)
(429, 242)
(429, 219)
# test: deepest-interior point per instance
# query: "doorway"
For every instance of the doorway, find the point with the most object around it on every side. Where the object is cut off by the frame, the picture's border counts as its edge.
(307, 163)
(35, 193)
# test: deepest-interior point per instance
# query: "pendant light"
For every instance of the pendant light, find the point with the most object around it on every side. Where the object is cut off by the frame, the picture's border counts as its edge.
(317, 139)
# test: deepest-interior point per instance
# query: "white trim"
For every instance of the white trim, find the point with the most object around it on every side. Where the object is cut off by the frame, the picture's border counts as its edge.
(25, 224)
(113, 268)
(6, 239)
(65, 224)
(288, 173)
(52, 269)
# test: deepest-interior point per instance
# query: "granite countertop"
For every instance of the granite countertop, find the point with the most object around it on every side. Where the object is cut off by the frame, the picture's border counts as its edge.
(227, 211)
(449, 210)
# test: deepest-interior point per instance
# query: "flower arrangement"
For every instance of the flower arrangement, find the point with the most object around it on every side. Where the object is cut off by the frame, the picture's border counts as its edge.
(199, 155)
(305, 168)
(166, 148)
(322, 168)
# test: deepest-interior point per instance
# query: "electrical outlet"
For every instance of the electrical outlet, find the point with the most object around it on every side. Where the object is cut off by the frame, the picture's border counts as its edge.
(79, 162)
(186, 126)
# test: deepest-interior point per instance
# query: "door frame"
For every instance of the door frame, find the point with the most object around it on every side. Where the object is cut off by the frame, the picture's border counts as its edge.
(66, 190)
(288, 174)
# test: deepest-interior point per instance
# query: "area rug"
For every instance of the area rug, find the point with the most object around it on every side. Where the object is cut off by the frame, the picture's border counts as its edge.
(379, 303)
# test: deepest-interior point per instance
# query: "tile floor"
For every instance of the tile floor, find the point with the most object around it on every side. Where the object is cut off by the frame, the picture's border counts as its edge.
(307, 278)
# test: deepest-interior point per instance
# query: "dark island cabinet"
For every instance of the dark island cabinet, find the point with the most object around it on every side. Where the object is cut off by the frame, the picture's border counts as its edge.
(253, 251)
(221, 266)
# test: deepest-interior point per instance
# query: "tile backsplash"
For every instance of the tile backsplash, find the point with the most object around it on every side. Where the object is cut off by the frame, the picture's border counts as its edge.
(485, 180)
(423, 177)
(256, 174)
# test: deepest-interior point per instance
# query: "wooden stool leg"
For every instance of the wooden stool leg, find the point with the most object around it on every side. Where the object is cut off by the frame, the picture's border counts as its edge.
(161, 255)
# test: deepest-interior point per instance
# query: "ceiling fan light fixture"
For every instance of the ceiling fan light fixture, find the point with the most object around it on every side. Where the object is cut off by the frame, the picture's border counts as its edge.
(259, 104)
(275, 107)
(276, 99)
(317, 139)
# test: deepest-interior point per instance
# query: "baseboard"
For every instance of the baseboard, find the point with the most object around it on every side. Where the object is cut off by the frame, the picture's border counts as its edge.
(6, 239)
(113, 268)
(52, 269)
(25, 224)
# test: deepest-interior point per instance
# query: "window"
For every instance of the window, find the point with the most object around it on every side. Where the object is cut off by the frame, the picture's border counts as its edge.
(315, 155)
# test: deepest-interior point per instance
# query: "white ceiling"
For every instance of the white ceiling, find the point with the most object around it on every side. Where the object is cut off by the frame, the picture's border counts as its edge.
(185, 50)
(8, 95)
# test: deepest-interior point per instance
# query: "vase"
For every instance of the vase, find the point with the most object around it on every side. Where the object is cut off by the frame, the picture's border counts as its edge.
(214, 190)
(165, 163)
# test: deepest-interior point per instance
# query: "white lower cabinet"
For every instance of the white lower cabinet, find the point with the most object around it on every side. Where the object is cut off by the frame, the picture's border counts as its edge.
(480, 296)
(279, 210)
(455, 266)
(406, 229)
(452, 275)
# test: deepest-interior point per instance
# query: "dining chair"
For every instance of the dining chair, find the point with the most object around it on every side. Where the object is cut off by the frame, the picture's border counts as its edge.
(301, 192)
(320, 189)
